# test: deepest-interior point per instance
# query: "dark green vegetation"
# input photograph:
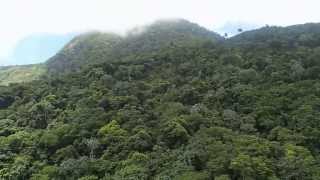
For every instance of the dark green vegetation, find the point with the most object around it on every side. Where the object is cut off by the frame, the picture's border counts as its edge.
(191, 106)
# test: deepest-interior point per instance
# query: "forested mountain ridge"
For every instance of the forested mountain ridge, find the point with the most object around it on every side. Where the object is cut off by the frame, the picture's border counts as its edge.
(197, 109)
(291, 36)
(97, 47)
(110, 47)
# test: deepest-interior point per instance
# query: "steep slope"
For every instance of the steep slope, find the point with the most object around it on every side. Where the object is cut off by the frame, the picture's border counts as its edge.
(85, 49)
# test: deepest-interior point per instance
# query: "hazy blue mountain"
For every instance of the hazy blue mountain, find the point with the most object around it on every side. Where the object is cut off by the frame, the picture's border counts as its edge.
(38, 48)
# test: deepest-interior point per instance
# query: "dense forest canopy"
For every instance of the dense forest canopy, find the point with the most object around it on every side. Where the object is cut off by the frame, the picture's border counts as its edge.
(173, 102)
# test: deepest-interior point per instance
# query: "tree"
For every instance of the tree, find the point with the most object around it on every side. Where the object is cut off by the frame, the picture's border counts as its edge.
(298, 163)
(89, 178)
(18, 169)
(248, 75)
(247, 167)
(142, 141)
(222, 177)
(92, 144)
(193, 175)
(113, 129)
(65, 153)
(134, 168)
(231, 118)
(174, 134)
(46, 173)
(297, 70)
(42, 112)
(49, 140)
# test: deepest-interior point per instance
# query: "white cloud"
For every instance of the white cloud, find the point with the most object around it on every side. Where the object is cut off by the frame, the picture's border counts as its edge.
(20, 18)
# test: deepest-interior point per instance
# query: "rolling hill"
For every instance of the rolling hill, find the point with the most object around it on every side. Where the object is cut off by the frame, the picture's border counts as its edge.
(20, 74)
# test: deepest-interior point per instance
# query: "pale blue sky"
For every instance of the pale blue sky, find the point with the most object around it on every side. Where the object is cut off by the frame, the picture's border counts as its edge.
(24, 19)
(37, 48)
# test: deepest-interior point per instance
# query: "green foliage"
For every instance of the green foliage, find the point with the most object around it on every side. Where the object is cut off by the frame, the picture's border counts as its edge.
(134, 167)
(192, 176)
(113, 129)
(47, 172)
(19, 74)
(49, 140)
(174, 101)
(89, 178)
(174, 134)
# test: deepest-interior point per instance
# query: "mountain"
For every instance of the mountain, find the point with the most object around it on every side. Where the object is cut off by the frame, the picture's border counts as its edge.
(291, 36)
(164, 34)
(103, 47)
(82, 50)
(198, 108)
(97, 47)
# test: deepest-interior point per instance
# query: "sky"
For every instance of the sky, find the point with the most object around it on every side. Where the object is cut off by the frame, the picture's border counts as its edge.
(21, 19)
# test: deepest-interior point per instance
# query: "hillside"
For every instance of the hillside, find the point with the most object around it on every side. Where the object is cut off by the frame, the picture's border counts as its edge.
(19, 74)
(84, 49)
(197, 108)
(278, 37)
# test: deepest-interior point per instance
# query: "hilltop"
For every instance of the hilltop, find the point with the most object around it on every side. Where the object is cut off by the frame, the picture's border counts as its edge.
(106, 47)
